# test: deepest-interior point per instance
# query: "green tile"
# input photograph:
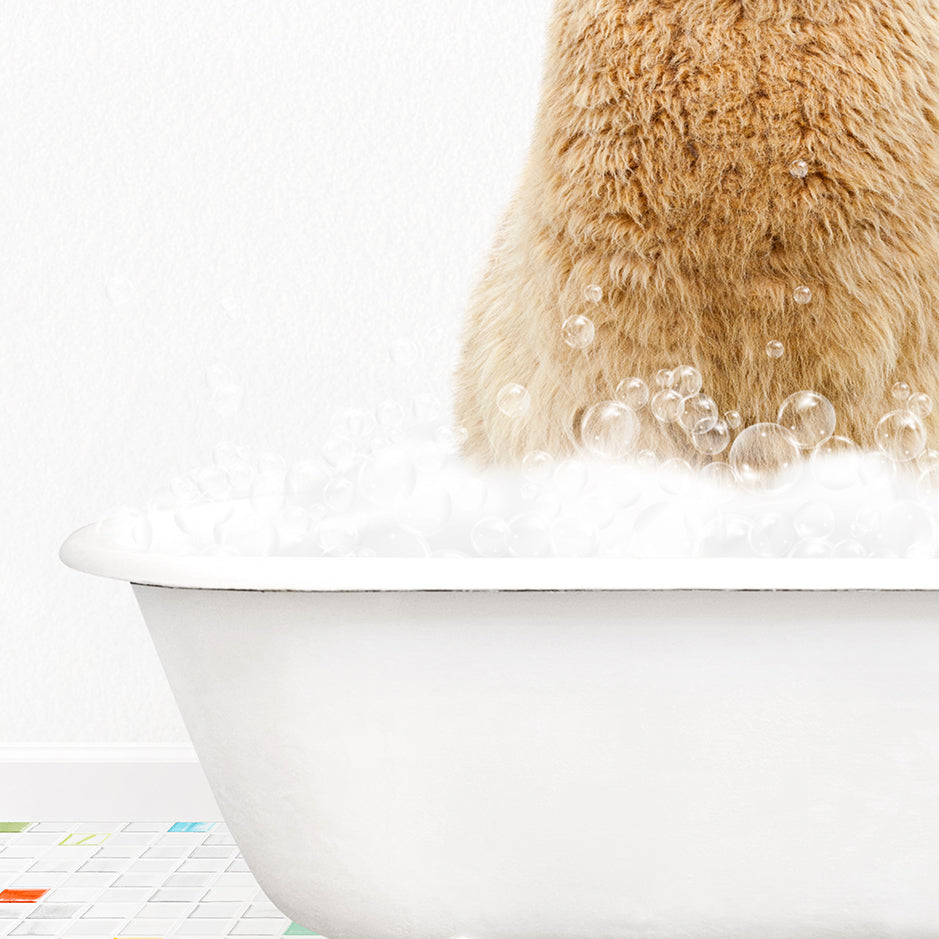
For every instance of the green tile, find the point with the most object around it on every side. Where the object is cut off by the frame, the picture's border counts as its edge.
(14, 826)
(295, 929)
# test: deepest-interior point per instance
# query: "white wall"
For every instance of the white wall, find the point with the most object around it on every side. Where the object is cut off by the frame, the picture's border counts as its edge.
(283, 187)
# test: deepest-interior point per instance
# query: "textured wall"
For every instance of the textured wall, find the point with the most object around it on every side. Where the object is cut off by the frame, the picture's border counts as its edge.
(283, 187)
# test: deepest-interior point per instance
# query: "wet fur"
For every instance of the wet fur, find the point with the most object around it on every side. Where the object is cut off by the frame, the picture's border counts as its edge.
(660, 171)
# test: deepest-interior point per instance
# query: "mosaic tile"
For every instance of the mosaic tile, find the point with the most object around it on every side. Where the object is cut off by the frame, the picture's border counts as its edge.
(133, 880)
(297, 930)
(14, 826)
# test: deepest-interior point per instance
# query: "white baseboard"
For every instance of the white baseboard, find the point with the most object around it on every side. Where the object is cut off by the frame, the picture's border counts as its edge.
(103, 783)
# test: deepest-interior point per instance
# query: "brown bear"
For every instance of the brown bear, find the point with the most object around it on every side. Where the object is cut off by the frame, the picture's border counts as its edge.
(708, 177)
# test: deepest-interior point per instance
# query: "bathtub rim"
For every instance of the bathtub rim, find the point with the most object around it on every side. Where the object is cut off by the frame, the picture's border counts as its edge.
(86, 551)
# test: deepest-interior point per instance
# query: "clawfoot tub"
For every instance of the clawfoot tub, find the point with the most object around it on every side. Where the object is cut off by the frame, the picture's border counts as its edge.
(563, 750)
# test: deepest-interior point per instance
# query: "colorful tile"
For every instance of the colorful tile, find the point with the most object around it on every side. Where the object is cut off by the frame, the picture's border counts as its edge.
(297, 930)
(14, 826)
(21, 896)
(192, 826)
(86, 839)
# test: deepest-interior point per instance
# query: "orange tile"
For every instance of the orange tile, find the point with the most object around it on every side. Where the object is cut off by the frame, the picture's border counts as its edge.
(21, 896)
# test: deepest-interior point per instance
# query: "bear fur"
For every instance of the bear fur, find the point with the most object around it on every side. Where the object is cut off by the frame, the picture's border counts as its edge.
(660, 171)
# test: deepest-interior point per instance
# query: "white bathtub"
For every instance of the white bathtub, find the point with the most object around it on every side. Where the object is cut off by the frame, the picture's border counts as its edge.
(431, 749)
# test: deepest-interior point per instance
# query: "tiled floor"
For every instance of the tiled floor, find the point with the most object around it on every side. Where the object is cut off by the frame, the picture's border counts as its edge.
(102, 880)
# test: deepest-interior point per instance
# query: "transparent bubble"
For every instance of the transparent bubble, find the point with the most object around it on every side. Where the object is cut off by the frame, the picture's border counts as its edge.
(387, 476)
(390, 416)
(537, 466)
(814, 520)
(849, 548)
(775, 349)
(811, 548)
(833, 463)
(428, 509)
(633, 392)
(799, 169)
(907, 531)
(573, 537)
(928, 482)
(809, 416)
(772, 536)
(339, 494)
(570, 478)
(718, 474)
(514, 400)
(305, 482)
(185, 490)
(451, 439)
(354, 424)
(697, 413)
(269, 462)
(267, 492)
(394, 541)
(609, 430)
(126, 527)
(341, 453)
(337, 537)
(426, 407)
(593, 293)
(547, 505)
(713, 441)
(901, 391)
(901, 436)
(578, 331)
(664, 530)
(726, 535)
(664, 378)
(212, 482)
(647, 459)
(876, 469)
(490, 537)
(676, 476)
(733, 420)
(765, 457)
(293, 524)
(802, 295)
(529, 536)
(404, 352)
(927, 460)
(920, 404)
(687, 380)
(241, 475)
(666, 405)
(120, 291)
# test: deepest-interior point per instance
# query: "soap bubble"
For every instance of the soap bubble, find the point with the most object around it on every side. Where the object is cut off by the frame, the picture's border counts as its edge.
(293, 525)
(697, 413)
(391, 416)
(906, 531)
(775, 349)
(901, 436)
(687, 380)
(802, 295)
(664, 378)
(811, 548)
(339, 494)
(578, 331)
(514, 400)
(340, 453)
(355, 424)
(809, 416)
(528, 536)
(920, 404)
(267, 492)
(404, 352)
(733, 420)
(490, 537)
(387, 476)
(570, 478)
(676, 476)
(712, 441)
(394, 541)
(633, 392)
(849, 548)
(799, 169)
(718, 474)
(212, 482)
(814, 520)
(830, 465)
(593, 293)
(772, 536)
(572, 537)
(664, 530)
(901, 391)
(609, 430)
(426, 407)
(337, 537)
(927, 460)
(647, 459)
(666, 405)
(451, 439)
(765, 457)
(876, 469)
(537, 466)
(125, 527)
